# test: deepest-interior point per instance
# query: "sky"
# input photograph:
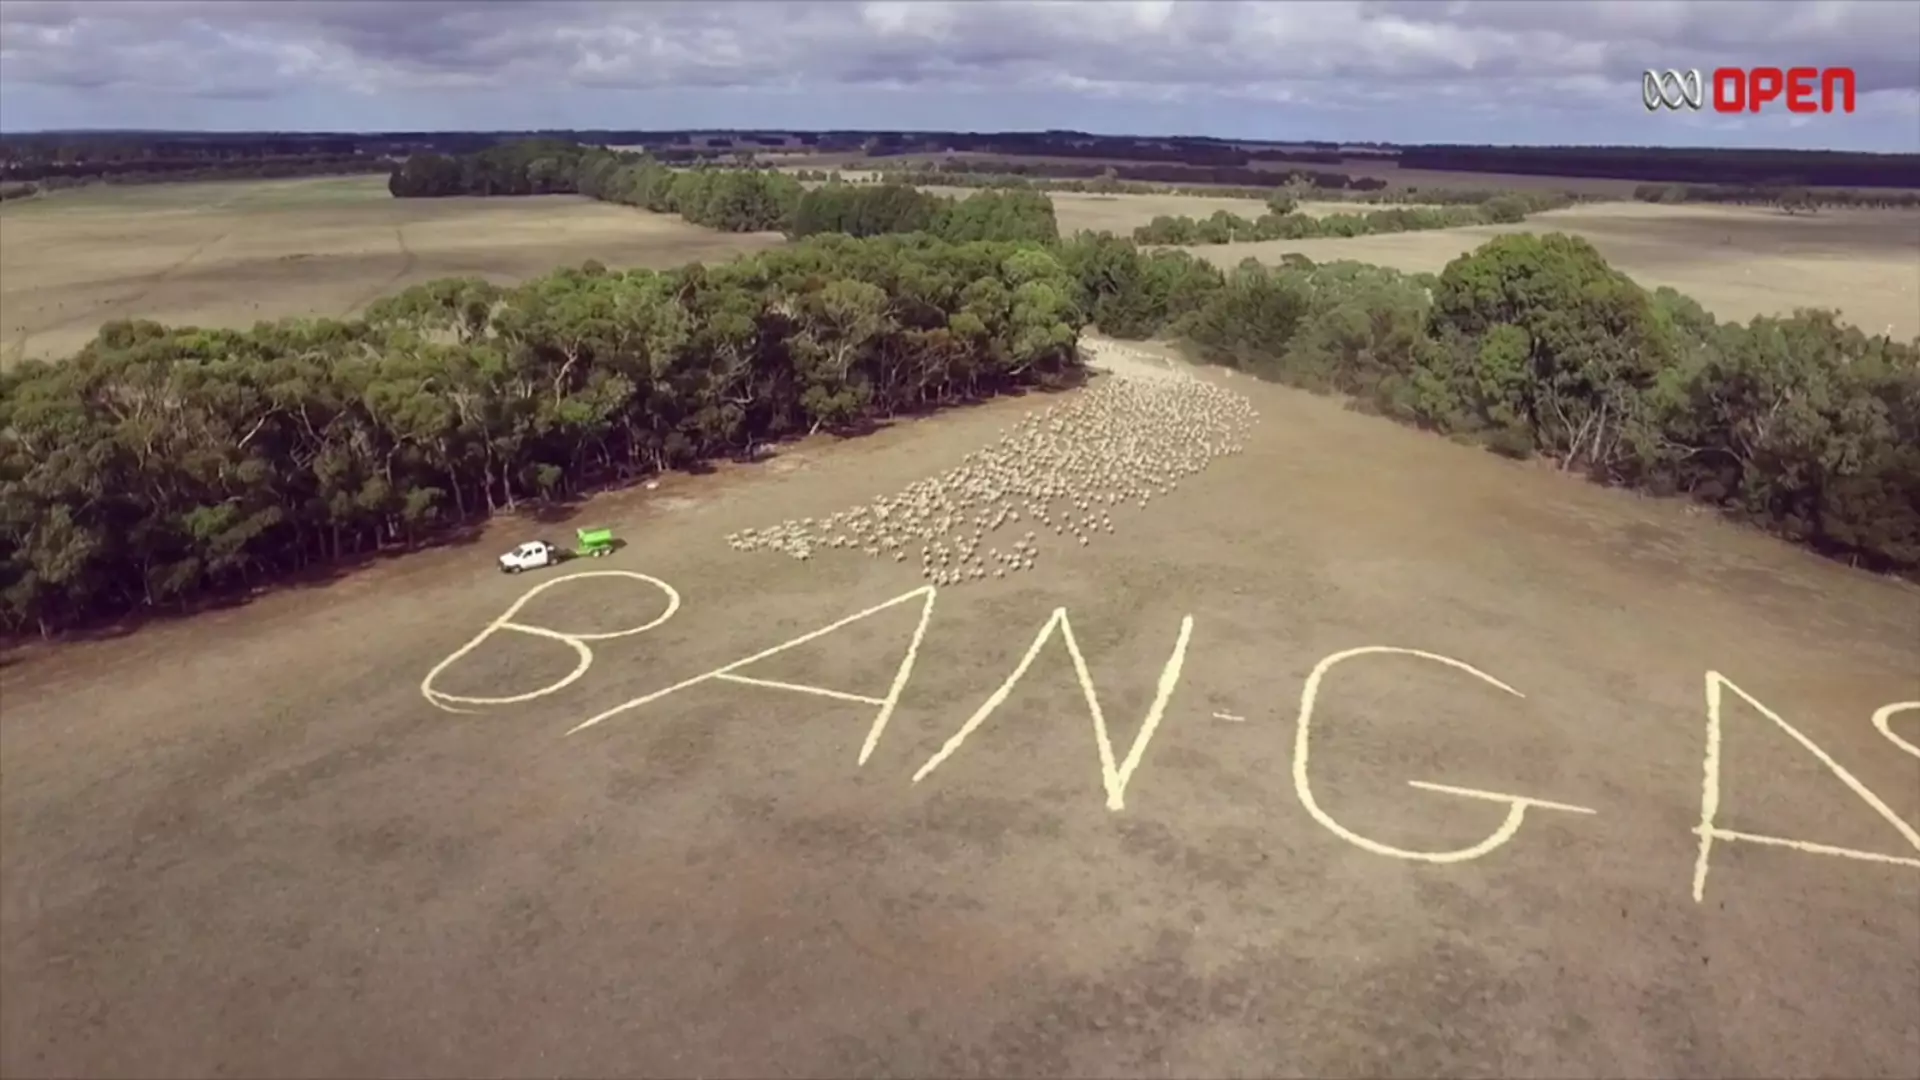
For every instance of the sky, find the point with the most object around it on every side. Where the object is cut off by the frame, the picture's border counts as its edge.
(1434, 71)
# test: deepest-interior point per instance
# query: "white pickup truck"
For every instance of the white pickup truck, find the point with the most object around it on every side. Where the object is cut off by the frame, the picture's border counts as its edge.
(534, 554)
(531, 555)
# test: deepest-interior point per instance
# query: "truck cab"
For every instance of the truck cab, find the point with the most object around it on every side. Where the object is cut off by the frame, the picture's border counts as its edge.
(531, 555)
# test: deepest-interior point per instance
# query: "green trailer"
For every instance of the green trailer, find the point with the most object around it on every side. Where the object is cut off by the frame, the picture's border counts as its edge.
(594, 542)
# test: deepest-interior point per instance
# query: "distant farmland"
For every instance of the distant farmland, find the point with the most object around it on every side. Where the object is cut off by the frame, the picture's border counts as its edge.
(1737, 261)
(232, 254)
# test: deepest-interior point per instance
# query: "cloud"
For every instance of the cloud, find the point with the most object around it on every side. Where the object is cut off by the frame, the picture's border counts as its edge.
(1438, 60)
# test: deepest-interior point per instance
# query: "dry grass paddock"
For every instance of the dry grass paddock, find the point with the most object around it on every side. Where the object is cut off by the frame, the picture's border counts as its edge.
(232, 254)
(1737, 261)
(256, 843)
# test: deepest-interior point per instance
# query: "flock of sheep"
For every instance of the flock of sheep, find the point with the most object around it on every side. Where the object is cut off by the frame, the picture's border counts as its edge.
(1064, 470)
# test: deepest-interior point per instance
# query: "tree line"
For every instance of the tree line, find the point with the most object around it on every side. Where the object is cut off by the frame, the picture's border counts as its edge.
(1787, 197)
(53, 160)
(1283, 222)
(183, 169)
(1733, 167)
(57, 178)
(164, 464)
(1110, 184)
(747, 193)
(1166, 173)
(1189, 150)
(896, 208)
(729, 200)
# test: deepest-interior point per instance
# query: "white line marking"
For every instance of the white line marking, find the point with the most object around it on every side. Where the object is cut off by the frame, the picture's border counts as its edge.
(901, 675)
(578, 642)
(1710, 789)
(1883, 720)
(772, 684)
(1494, 796)
(1228, 716)
(1812, 848)
(1113, 777)
(1517, 805)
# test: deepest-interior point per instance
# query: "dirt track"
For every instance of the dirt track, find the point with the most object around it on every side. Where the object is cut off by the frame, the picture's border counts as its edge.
(246, 845)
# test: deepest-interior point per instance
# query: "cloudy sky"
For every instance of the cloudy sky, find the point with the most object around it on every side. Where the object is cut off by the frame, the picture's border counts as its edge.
(1524, 71)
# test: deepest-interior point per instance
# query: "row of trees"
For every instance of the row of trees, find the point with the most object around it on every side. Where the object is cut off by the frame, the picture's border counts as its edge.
(1157, 173)
(893, 208)
(68, 159)
(1534, 345)
(192, 172)
(192, 169)
(1784, 196)
(730, 200)
(1282, 222)
(1537, 199)
(521, 167)
(753, 199)
(1678, 165)
(163, 464)
(1177, 150)
(727, 199)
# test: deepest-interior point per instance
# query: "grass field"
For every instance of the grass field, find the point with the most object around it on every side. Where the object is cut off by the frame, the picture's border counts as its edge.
(1738, 262)
(232, 254)
(251, 844)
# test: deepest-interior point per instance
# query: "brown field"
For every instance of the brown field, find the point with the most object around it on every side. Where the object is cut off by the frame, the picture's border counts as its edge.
(1739, 262)
(245, 844)
(233, 254)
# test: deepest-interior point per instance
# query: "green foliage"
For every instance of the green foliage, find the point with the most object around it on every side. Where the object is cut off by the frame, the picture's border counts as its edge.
(874, 211)
(1010, 216)
(730, 200)
(522, 167)
(162, 464)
